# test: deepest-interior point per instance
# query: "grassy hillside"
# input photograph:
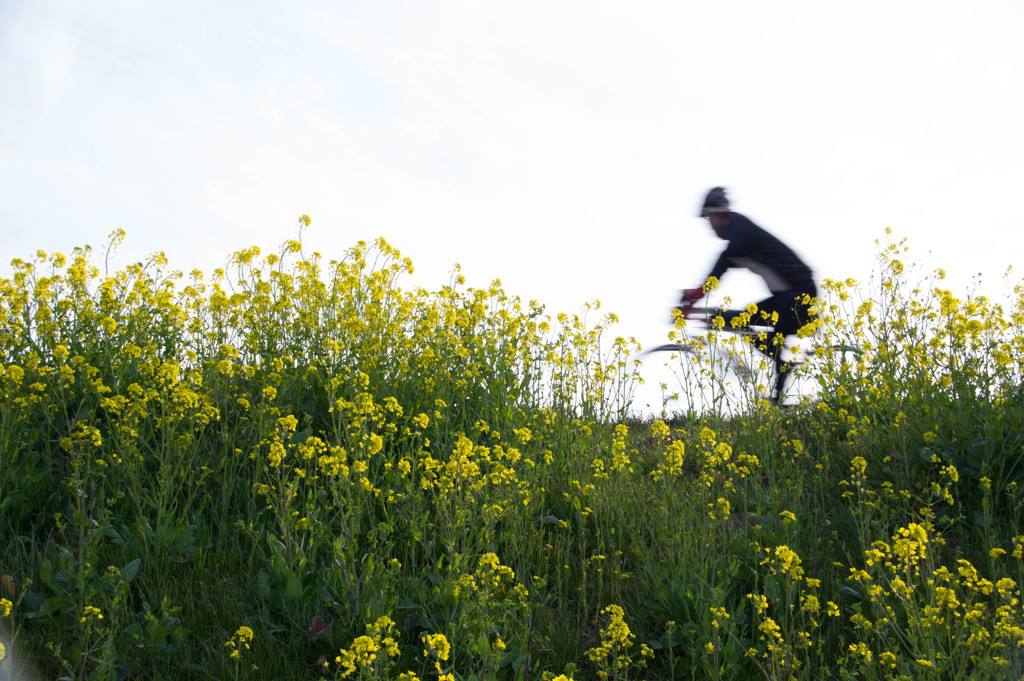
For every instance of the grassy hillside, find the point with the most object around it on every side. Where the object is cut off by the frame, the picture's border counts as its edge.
(299, 469)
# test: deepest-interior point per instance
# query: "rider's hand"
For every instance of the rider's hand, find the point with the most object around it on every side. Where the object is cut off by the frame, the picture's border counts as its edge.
(691, 296)
(687, 299)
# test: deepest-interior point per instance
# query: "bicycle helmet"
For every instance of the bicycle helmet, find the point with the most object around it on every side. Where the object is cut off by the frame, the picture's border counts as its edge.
(715, 202)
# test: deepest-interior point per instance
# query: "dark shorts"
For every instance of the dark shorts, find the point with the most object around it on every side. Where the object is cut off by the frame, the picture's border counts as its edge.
(793, 312)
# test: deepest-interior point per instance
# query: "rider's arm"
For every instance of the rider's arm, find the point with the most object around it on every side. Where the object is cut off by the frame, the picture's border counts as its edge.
(725, 260)
(692, 295)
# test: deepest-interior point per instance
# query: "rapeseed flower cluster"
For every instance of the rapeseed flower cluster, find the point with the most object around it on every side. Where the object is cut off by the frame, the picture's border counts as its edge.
(239, 641)
(371, 655)
(362, 448)
(437, 648)
(612, 657)
(958, 618)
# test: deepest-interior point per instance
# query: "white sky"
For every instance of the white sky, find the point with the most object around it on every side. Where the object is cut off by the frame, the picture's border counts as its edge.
(563, 147)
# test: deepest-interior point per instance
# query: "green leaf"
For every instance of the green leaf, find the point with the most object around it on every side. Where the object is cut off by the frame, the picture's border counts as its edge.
(279, 569)
(263, 585)
(46, 574)
(293, 589)
(129, 571)
(482, 647)
(112, 534)
(49, 606)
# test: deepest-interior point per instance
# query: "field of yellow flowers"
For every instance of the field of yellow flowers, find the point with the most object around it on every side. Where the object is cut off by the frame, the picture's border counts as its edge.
(300, 469)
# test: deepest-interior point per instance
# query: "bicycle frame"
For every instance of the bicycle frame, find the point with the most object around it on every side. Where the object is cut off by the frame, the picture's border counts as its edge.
(716, 348)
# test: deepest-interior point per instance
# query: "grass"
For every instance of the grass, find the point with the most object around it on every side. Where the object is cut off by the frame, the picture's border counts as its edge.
(302, 470)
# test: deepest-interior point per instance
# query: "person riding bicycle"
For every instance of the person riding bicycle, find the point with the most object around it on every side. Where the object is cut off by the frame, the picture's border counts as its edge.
(788, 278)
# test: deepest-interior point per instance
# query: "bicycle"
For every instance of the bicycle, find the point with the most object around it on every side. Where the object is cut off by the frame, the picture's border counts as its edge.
(722, 365)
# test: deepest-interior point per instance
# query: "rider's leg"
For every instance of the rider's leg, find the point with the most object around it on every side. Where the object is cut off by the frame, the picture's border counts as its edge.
(782, 371)
(772, 347)
(781, 315)
(790, 313)
(770, 344)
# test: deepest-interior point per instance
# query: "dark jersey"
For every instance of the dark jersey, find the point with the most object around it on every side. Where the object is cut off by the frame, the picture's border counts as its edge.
(757, 250)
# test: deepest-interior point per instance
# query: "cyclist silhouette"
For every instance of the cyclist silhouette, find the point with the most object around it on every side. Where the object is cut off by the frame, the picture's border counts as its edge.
(790, 281)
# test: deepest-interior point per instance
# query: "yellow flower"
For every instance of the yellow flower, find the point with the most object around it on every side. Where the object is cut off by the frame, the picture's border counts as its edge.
(862, 650)
(437, 644)
(770, 630)
(787, 562)
(241, 639)
(1005, 587)
(91, 612)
